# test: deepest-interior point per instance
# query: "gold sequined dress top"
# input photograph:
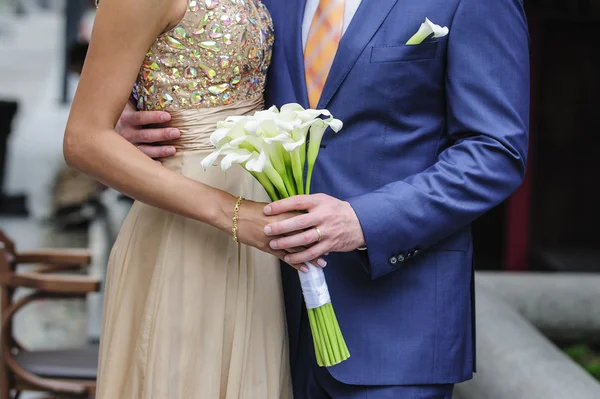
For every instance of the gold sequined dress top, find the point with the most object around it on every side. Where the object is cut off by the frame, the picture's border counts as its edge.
(190, 314)
(217, 55)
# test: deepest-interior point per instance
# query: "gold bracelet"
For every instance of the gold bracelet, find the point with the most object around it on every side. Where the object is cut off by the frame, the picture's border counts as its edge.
(236, 218)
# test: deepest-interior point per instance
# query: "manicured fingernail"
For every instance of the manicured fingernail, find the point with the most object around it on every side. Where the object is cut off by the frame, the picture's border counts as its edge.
(273, 244)
(173, 133)
(164, 117)
(169, 151)
(321, 262)
(304, 269)
(267, 230)
(268, 210)
(327, 254)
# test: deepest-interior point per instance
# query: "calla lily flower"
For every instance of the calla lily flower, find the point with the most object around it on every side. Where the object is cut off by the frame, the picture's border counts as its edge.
(316, 136)
(272, 145)
(426, 29)
(237, 156)
(212, 157)
(257, 162)
(256, 165)
(226, 134)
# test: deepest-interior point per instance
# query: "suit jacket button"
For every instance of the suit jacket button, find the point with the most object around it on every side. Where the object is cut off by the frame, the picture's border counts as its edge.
(401, 258)
(393, 260)
(415, 252)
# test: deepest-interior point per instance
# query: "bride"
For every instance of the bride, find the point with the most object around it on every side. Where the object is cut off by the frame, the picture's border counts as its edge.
(189, 312)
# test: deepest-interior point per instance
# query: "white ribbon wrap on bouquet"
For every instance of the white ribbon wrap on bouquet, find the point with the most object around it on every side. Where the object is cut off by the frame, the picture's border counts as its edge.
(314, 287)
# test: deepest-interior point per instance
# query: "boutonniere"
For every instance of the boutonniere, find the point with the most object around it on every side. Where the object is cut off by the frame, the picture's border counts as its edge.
(425, 30)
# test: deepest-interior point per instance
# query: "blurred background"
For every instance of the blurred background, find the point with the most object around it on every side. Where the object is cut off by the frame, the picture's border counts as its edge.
(537, 255)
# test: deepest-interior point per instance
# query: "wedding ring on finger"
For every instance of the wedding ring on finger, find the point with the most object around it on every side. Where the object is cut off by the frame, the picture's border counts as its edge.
(319, 233)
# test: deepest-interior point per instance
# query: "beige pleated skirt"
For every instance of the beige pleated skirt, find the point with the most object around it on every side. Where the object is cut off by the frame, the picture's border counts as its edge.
(188, 313)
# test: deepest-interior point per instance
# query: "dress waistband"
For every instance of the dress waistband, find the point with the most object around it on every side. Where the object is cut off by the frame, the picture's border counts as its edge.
(196, 125)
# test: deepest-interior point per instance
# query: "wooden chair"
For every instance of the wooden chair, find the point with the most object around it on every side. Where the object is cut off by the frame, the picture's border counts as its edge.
(58, 373)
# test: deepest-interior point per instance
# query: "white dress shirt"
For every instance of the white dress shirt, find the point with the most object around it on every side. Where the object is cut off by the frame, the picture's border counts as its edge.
(311, 8)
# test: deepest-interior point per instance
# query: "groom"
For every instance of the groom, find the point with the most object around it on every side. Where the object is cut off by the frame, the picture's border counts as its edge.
(435, 134)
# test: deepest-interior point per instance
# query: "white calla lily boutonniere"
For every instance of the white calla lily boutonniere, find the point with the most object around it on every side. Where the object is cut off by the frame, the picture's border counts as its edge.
(426, 29)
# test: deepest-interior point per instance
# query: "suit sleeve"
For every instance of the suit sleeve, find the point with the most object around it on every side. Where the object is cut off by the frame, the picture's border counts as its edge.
(487, 90)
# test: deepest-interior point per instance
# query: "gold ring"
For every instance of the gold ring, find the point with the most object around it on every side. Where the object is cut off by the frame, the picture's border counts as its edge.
(319, 233)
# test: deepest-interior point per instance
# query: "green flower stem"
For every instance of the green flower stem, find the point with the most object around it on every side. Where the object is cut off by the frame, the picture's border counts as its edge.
(417, 38)
(316, 136)
(267, 185)
(330, 325)
(308, 178)
(324, 331)
(297, 170)
(326, 351)
(288, 182)
(278, 161)
(303, 155)
(289, 173)
(314, 328)
(345, 353)
(277, 181)
(290, 178)
(330, 347)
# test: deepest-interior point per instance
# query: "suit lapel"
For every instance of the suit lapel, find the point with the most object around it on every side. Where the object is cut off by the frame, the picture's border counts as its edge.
(365, 23)
(293, 48)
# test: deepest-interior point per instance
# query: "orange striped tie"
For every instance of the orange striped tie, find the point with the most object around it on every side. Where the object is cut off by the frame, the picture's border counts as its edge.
(322, 43)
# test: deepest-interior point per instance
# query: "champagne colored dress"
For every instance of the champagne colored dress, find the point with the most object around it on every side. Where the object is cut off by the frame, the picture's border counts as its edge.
(188, 313)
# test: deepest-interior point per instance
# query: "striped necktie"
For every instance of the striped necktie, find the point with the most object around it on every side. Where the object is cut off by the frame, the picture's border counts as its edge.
(322, 43)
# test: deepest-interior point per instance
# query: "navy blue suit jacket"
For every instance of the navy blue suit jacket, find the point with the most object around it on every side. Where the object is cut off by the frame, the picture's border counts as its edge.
(434, 135)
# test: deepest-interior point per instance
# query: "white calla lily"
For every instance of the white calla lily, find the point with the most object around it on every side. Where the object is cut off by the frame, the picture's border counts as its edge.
(312, 114)
(287, 125)
(336, 125)
(256, 165)
(292, 107)
(426, 29)
(209, 160)
(224, 135)
(235, 156)
(317, 130)
(272, 145)
(280, 138)
(297, 151)
(218, 136)
(267, 128)
(250, 126)
(292, 145)
(257, 162)
(267, 114)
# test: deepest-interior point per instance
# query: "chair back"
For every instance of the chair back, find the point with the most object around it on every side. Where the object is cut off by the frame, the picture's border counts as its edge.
(23, 370)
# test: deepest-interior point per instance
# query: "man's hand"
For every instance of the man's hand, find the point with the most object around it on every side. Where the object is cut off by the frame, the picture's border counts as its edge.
(132, 126)
(335, 220)
(251, 225)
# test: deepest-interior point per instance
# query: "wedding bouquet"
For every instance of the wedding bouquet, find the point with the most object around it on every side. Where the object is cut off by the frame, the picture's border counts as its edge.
(272, 145)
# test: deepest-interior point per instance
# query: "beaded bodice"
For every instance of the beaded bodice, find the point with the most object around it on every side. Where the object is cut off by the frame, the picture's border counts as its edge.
(218, 54)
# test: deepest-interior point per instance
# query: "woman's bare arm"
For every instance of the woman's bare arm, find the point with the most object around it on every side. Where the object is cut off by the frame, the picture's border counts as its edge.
(123, 32)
